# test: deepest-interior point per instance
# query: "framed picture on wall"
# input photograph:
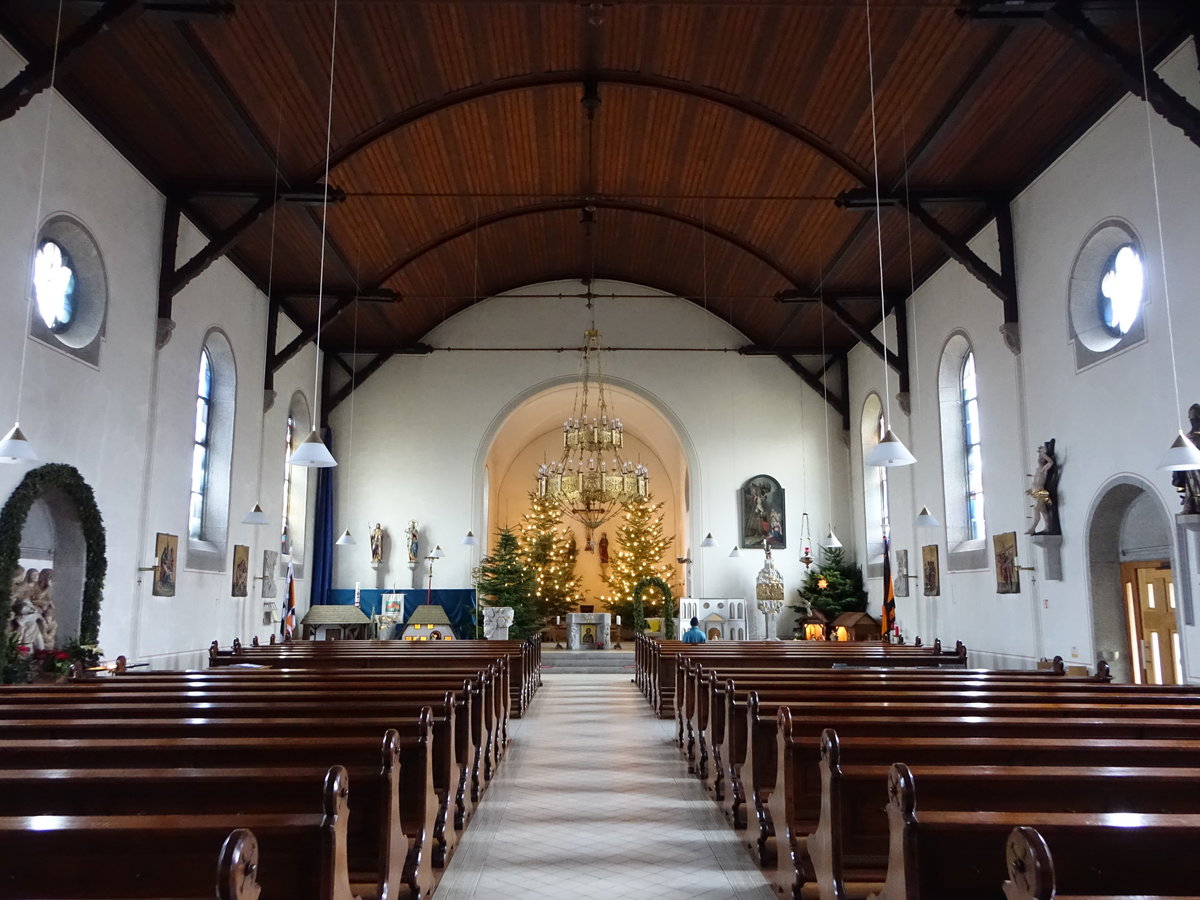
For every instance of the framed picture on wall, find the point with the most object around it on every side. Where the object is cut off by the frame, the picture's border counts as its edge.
(900, 584)
(1008, 576)
(763, 511)
(166, 555)
(270, 587)
(929, 570)
(241, 570)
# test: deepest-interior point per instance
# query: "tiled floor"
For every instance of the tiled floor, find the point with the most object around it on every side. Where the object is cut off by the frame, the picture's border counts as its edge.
(593, 801)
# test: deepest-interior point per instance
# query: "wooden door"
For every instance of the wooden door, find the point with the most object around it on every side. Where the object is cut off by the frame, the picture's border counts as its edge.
(1153, 629)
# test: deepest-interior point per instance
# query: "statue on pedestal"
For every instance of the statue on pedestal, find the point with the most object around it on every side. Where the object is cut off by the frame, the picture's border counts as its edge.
(411, 533)
(1187, 483)
(377, 544)
(1045, 492)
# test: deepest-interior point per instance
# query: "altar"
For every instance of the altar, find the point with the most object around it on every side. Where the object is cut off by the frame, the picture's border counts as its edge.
(588, 631)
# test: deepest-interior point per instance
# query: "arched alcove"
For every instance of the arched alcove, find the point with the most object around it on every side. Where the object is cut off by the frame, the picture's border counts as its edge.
(65, 528)
(1127, 523)
(529, 432)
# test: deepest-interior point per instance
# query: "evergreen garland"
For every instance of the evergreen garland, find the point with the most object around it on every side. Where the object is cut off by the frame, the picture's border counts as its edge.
(835, 586)
(639, 618)
(40, 481)
(507, 581)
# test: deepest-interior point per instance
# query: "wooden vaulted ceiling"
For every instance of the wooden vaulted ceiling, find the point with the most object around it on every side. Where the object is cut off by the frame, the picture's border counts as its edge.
(461, 141)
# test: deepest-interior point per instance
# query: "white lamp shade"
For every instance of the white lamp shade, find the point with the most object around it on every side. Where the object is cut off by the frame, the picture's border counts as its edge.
(736, 552)
(890, 452)
(256, 516)
(346, 538)
(470, 540)
(437, 553)
(831, 541)
(14, 446)
(709, 541)
(925, 519)
(313, 453)
(1181, 456)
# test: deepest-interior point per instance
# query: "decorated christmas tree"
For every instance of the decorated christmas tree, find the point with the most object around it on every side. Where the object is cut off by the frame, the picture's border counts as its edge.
(641, 548)
(502, 579)
(545, 550)
(833, 587)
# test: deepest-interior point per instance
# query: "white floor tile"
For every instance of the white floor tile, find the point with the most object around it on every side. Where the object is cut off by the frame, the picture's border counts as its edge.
(593, 801)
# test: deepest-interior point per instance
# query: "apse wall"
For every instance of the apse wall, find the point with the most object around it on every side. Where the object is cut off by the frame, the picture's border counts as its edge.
(423, 426)
(126, 424)
(1112, 419)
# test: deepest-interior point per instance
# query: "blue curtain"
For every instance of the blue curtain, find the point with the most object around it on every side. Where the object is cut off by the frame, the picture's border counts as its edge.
(323, 536)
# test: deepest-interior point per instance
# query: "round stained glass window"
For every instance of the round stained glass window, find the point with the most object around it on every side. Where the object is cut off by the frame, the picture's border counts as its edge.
(1122, 286)
(54, 286)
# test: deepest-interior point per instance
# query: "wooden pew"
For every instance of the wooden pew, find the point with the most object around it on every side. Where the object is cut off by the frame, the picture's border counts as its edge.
(850, 840)
(457, 758)
(378, 850)
(948, 854)
(133, 857)
(418, 805)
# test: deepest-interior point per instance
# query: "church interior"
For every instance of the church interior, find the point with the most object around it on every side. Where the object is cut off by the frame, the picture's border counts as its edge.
(299, 293)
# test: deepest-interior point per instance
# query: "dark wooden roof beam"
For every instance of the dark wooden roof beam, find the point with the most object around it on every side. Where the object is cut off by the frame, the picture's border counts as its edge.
(379, 295)
(863, 333)
(312, 194)
(35, 77)
(813, 381)
(1165, 100)
(864, 198)
(356, 380)
(216, 248)
(804, 296)
(309, 332)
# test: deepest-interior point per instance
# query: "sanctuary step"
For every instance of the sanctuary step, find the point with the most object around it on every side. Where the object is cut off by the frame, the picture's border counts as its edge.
(587, 662)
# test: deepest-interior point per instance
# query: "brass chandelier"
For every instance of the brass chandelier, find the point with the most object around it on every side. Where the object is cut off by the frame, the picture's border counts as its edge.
(591, 482)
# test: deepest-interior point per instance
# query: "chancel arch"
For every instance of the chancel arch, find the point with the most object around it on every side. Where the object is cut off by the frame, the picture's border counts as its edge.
(529, 432)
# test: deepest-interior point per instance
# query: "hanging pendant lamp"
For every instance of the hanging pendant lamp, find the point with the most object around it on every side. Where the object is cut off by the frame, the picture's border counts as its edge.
(256, 516)
(831, 541)
(925, 519)
(890, 452)
(1181, 456)
(313, 453)
(346, 538)
(736, 552)
(14, 447)
(709, 542)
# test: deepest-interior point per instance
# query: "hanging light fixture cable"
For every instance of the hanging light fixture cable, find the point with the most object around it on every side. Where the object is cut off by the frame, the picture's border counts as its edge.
(313, 452)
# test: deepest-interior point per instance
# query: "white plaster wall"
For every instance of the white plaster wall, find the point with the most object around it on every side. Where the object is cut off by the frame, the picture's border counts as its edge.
(127, 424)
(423, 426)
(1114, 418)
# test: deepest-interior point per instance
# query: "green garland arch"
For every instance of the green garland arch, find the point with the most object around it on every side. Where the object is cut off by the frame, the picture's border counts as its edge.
(639, 616)
(40, 481)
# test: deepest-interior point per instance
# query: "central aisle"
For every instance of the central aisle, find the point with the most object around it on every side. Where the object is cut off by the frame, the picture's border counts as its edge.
(594, 801)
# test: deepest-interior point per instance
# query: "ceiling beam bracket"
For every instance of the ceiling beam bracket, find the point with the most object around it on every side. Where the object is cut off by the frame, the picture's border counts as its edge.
(1164, 99)
(356, 380)
(35, 77)
(836, 403)
(309, 332)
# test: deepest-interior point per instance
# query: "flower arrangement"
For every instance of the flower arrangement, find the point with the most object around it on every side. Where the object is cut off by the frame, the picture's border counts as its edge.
(23, 664)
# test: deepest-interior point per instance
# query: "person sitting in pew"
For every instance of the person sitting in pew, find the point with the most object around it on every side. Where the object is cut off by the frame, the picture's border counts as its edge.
(694, 635)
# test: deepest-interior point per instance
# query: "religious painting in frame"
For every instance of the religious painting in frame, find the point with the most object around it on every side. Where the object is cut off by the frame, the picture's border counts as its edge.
(270, 587)
(763, 518)
(1008, 576)
(166, 556)
(241, 570)
(900, 584)
(930, 571)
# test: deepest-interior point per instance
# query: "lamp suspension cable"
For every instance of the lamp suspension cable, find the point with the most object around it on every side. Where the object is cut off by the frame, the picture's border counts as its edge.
(347, 539)
(831, 541)
(1183, 455)
(890, 451)
(14, 446)
(313, 452)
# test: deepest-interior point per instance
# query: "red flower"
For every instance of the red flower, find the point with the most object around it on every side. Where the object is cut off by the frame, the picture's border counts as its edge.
(60, 655)
(24, 649)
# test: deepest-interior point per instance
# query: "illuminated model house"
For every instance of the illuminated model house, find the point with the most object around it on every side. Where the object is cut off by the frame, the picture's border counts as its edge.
(428, 622)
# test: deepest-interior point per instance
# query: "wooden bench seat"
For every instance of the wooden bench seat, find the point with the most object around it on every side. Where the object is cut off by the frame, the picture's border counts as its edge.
(843, 829)
(147, 856)
(957, 853)
(420, 807)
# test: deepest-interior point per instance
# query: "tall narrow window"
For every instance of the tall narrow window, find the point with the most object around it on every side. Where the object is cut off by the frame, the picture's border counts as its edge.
(200, 447)
(972, 451)
(885, 519)
(212, 455)
(285, 540)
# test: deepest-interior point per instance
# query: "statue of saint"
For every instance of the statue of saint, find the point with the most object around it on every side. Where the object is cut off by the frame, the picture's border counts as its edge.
(1188, 482)
(377, 543)
(411, 532)
(1045, 492)
(604, 548)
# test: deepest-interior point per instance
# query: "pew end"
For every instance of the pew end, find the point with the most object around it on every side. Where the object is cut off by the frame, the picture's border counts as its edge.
(1029, 866)
(237, 867)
